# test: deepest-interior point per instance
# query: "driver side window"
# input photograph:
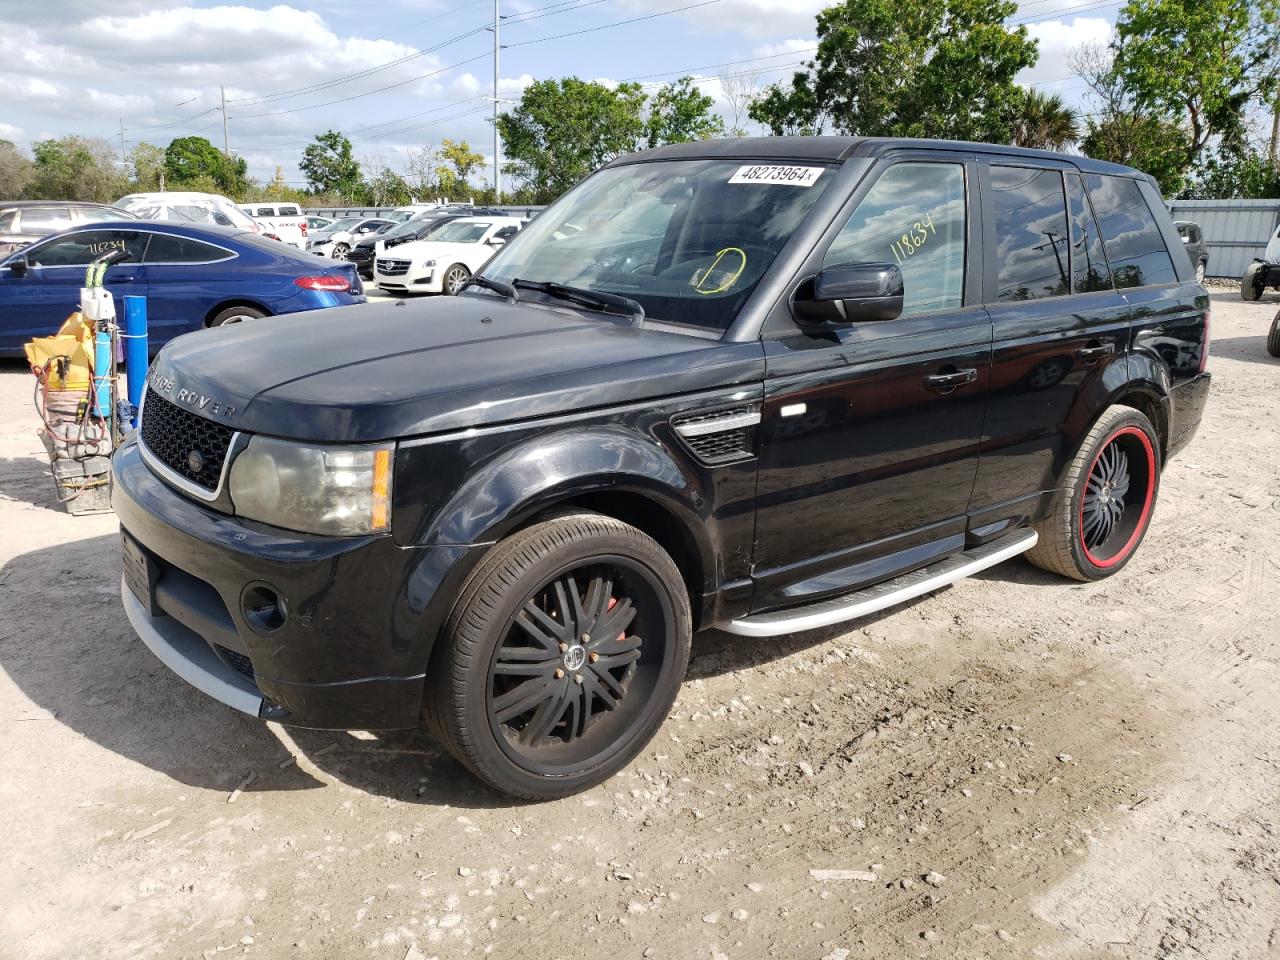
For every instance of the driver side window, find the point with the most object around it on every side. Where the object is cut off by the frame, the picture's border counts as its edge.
(914, 216)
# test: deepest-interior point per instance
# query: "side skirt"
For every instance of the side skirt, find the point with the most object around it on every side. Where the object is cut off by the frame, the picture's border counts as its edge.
(887, 594)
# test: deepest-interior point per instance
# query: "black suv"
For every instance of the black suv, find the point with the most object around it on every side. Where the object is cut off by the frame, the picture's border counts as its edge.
(760, 385)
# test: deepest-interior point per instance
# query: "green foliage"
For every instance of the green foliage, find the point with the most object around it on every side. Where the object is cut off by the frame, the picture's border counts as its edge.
(76, 168)
(387, 188)
(1146, 143)
(189, 161)
(1235, 175)
(680, 112)
(564, 129)
(146, 163)
(907, 68)
(1042, 121)
(1201, 62)
(16, 171)
(454, 165)
(329, 165)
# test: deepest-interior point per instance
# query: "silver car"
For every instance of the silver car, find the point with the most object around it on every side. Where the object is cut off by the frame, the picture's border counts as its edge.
(26, 221)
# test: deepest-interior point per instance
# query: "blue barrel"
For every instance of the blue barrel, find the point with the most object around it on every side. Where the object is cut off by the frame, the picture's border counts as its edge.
(136, 351)
(102, 372)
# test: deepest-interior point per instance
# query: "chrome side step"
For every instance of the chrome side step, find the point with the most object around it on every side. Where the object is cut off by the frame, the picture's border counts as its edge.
(887, 594)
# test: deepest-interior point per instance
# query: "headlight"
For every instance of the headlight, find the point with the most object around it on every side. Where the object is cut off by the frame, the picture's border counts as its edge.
(343, 491)
(429, 263)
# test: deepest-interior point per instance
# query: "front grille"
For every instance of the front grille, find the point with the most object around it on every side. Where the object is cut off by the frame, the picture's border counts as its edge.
(720, 436)
(236, 661)
(394, 268)
(172, 434)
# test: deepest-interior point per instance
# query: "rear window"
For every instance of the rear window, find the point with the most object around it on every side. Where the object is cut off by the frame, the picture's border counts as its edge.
(1031, 233)
(45, 219)
(1089, 270)
(1134, 245)
(290, 211)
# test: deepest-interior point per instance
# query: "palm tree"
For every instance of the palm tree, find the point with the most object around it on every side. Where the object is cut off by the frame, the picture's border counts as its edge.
(1043, 121)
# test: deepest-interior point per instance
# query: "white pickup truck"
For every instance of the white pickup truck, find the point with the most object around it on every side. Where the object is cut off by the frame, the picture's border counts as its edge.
(284, 221)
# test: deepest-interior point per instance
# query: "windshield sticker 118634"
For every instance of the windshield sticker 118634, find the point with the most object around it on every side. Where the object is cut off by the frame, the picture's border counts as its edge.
(907, 245)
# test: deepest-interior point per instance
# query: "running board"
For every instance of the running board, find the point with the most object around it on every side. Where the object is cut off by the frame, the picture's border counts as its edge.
(884, 595)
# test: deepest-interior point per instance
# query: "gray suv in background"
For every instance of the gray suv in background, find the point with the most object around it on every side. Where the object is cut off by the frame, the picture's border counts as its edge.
(1192, 238)
(26, 221)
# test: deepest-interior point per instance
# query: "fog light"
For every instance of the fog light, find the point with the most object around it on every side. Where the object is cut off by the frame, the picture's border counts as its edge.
(264, 609)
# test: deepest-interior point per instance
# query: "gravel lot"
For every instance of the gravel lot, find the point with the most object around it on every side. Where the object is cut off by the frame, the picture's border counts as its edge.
(1018, 766)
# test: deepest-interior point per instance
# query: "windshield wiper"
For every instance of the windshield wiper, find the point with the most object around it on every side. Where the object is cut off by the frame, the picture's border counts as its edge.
(606, 302)
(497, 286)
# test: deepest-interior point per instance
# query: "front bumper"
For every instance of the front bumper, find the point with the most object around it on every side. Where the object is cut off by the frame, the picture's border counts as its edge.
(362, 612)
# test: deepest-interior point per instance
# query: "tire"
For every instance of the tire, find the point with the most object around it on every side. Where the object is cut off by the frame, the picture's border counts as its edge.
(340, 251)
(1200, 268)
(1273, 337)
(236, 315)
(1072, 540)
(453, 279)
(561, 736)
(1250, 288)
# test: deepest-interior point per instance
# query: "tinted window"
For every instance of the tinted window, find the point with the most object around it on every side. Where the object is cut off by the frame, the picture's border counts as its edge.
(1031, 233)
(79, 249)
(1134, 246)
(1088, 263)
(913, 216)
(290, 212)
(506, 233)
(6, 221)
(166, 248)
(45, 219)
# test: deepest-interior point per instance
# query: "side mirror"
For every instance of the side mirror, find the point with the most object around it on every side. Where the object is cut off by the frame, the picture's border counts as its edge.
(851, 293)
(19, 267)
(497, 241)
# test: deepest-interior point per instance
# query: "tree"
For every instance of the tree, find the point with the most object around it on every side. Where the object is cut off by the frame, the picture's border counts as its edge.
(189, 161)
(564, 129)
(1124, 131)
(1043, 121)
(1199, 62)
(922, 68)
(146, 165)
(1246, 174)
(454, 165)
(329, 165)
(740, 90)
(680, 112)
(422, 179)
(76, 168)
(386, 188)
(16, 171)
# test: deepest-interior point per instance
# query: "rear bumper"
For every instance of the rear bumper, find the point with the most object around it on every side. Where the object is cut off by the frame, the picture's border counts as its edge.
(1187, 402)
(362, 613)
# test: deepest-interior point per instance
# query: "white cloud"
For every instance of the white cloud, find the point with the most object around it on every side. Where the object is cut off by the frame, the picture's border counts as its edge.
(1056, 40)
(9, 132)
(799, 46)
(751, 17)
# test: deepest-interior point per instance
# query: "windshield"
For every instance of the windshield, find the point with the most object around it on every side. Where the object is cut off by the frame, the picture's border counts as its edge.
(688, 239)
(339, 225)
(459, 231)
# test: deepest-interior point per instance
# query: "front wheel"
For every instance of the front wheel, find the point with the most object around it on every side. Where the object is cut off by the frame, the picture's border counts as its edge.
(562, 657)
(1200, 272)
(455, 278)
(1273, 337)
(1104, 507)
(1250, 284)
(340, 251)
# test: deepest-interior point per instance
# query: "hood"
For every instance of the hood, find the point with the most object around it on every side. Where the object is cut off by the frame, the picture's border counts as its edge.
(386, 371)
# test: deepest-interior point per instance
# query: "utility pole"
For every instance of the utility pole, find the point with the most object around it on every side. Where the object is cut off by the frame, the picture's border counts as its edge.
(497, 147)
(1275, 129)
(226, 137)
(124, 153)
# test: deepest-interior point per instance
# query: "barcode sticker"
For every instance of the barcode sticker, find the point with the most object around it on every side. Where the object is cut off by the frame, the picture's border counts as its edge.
(776, 174)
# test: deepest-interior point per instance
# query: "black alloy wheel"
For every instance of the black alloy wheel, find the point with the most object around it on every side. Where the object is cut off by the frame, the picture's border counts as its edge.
(562, 657)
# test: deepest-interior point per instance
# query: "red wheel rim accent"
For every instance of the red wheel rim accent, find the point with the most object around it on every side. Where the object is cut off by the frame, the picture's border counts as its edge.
(1122, 554)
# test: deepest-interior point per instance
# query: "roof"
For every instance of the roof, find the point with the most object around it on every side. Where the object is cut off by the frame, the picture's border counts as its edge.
(839, 149)
(13, 204)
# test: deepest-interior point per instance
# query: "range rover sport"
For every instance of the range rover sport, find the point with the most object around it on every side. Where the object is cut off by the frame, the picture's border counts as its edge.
(758, 385)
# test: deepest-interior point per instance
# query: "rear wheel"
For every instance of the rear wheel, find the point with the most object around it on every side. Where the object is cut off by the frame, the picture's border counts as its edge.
(562, 657)
(1105, 505)
(455, 278)
(236, 315)
(1251, 283)
(1200, 272)
(1273, 337)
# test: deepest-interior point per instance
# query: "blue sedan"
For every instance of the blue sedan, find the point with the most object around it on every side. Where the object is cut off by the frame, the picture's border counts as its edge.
(192, 276)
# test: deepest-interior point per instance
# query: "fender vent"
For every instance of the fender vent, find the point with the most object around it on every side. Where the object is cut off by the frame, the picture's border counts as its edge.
(720, 436)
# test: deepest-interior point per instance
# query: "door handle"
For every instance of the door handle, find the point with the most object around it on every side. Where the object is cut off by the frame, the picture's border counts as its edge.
(1095, 351)
(946, 382)
(127, 278)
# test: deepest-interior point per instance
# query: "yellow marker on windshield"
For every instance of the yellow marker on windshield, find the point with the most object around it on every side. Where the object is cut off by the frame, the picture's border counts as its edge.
(733, 278)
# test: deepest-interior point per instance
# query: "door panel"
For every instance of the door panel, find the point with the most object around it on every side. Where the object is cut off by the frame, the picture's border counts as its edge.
(874, 476)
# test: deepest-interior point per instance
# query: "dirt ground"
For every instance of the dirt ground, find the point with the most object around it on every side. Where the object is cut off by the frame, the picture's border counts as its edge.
(1014, 767)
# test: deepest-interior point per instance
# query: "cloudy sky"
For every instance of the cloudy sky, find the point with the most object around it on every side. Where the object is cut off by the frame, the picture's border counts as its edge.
(395, 74)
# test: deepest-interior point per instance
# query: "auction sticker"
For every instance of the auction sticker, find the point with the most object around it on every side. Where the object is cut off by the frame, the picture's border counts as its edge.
(777, 174)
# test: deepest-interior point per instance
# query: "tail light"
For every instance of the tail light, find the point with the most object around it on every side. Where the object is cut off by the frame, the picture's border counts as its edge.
(325, 284)
(1204, 350)
(303, 227)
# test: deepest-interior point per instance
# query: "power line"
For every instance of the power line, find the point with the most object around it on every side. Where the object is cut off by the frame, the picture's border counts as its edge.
(609, 26)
